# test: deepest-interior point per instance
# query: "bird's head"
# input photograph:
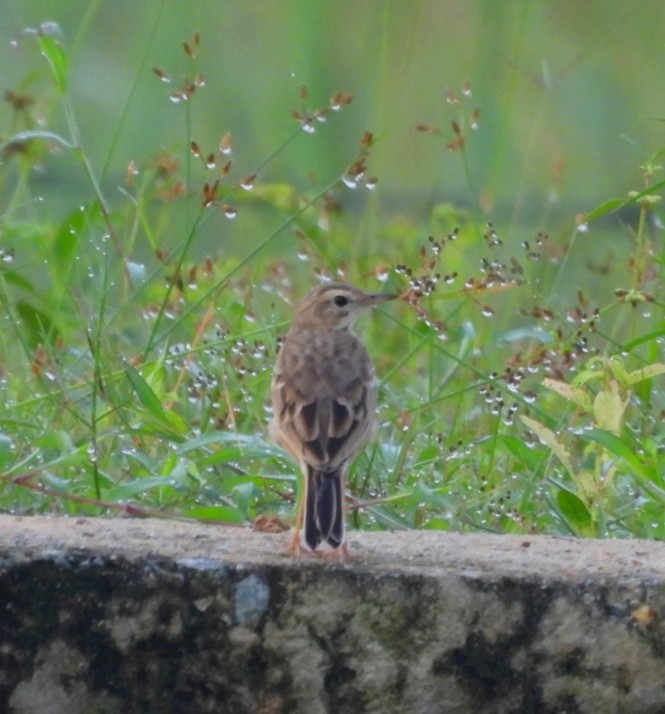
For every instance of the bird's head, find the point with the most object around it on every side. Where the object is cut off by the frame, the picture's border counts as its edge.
(335, 306)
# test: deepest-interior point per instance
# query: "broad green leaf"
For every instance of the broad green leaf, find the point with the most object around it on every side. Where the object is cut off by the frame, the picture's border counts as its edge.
(231, 446)
(648, 372)
(242, 494)
(37, 325)
(218, 514)
(575, 512)
(427, 455)
(19, 281)
(617, 446)
(57, 59)
(520, 451)
(68, 237)
(148, 398)
(618, 370)
(388, 518)
(151, 402)
(235, 453)
(216, 437)
(572, 394)
(6, 448)
(548, 438)
(593, 369)
(128, 491)
(55, 440)
(604, 208)
(588, 486)
(643, 339)
(638, 195)
(608, 408)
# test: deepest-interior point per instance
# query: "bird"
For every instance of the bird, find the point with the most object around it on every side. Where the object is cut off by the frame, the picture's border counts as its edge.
(323, 394)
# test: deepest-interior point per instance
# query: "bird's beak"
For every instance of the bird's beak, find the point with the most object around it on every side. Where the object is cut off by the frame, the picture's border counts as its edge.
(377, 298)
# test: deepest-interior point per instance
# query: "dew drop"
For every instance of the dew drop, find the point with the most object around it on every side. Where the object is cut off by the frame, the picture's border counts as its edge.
(248, 183)
(225, 145)
(137, 271)
(162, 76)
(49, 28)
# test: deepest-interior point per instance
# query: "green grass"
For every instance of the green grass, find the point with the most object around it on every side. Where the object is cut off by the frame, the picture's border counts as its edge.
(522, 380)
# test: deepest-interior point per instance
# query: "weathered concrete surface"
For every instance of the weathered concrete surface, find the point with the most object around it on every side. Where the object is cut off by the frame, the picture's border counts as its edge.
(123, 615)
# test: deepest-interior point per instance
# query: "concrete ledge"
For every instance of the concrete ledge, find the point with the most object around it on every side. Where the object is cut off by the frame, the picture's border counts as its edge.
(105, 616)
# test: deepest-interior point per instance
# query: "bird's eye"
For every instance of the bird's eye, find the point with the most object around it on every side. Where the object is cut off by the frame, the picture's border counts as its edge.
(341, 300)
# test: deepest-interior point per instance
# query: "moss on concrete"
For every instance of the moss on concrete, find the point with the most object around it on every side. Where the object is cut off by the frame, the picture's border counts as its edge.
(102, 615)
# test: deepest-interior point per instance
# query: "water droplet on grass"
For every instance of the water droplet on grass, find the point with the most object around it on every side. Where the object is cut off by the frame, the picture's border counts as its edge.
(137, 271)
(248, 182)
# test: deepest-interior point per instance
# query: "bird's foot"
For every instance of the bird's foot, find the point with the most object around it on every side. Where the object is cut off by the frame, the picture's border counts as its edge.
(340, 553)
(295, 548)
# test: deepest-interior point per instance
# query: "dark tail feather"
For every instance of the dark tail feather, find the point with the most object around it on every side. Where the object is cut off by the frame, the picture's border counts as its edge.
(324, 509)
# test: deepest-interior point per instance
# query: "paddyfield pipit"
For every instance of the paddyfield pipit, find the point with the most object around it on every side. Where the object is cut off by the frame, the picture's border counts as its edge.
(323, 398)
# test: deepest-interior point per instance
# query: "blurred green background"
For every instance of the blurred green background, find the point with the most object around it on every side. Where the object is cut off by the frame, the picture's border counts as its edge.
(153, 325)
(568, 92)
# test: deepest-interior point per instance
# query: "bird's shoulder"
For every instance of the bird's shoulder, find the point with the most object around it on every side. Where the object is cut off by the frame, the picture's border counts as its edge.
(320, 361)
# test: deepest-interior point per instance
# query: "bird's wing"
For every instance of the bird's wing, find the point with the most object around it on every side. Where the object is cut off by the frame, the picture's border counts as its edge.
(324, 395)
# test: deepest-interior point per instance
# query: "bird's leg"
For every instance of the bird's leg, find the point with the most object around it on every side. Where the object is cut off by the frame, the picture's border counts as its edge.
(295, 548)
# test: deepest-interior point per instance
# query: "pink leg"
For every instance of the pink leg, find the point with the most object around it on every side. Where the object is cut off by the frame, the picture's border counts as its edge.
(295, 548)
